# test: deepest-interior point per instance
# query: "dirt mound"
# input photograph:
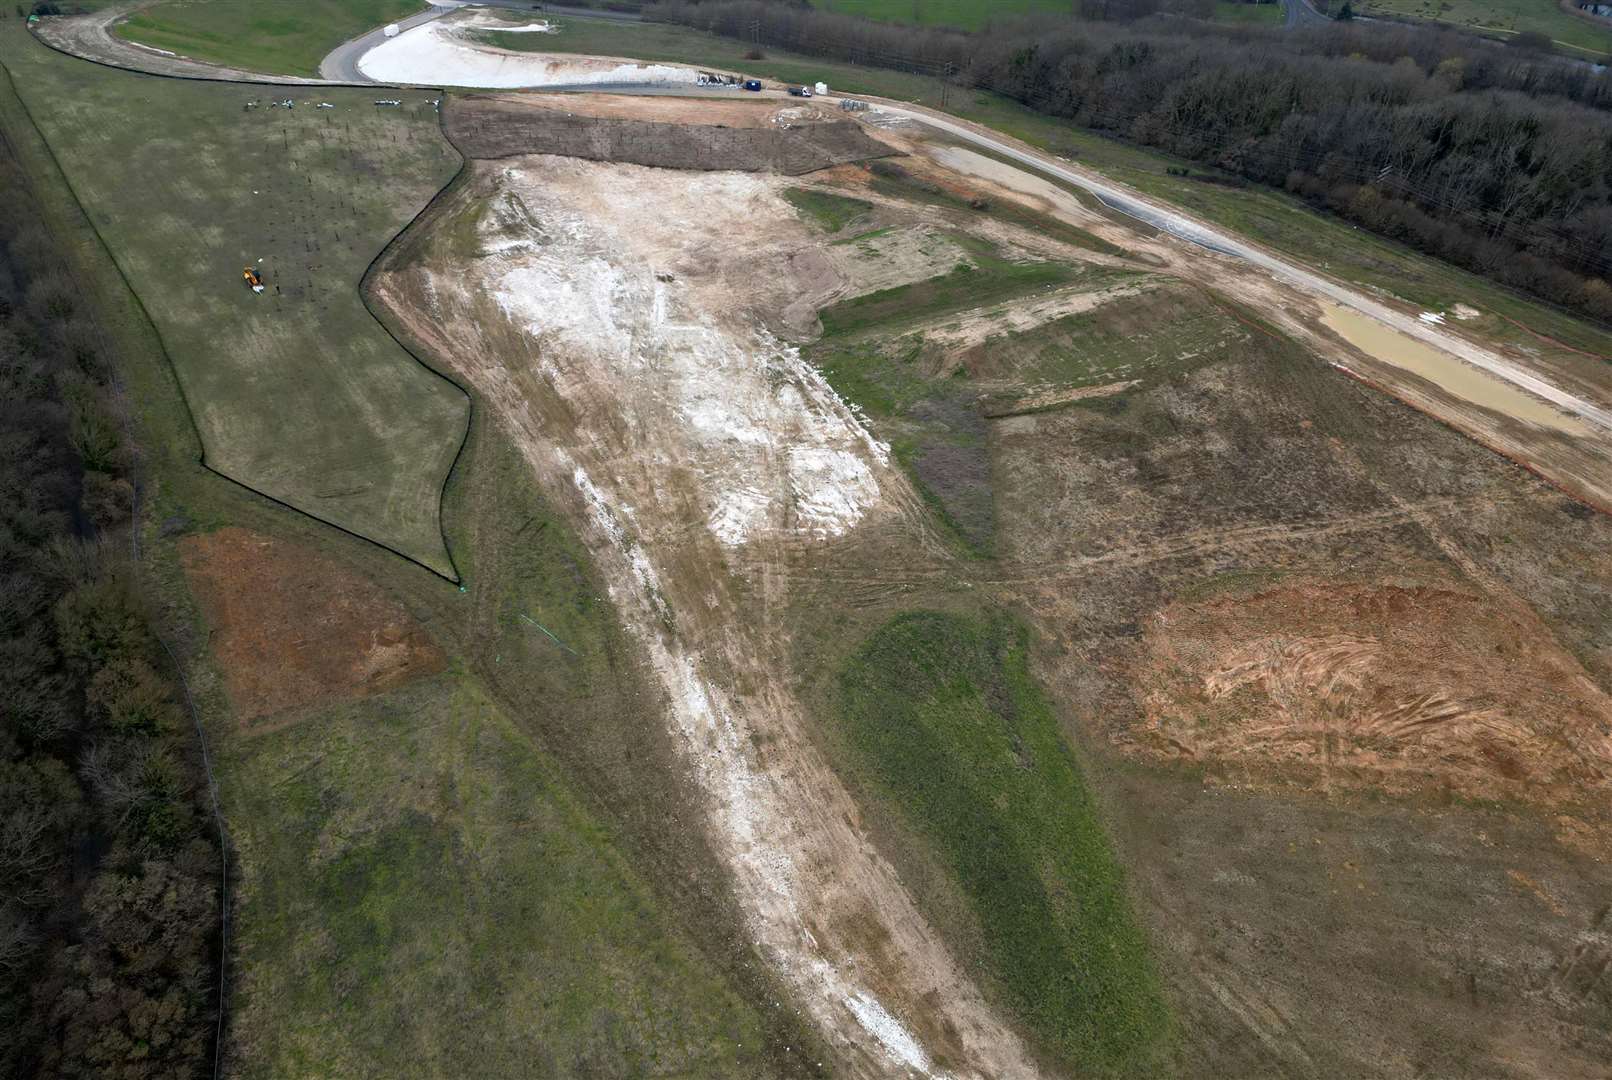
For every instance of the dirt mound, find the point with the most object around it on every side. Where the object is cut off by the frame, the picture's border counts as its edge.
(503, 127)
(1405, 687)
(292, 628)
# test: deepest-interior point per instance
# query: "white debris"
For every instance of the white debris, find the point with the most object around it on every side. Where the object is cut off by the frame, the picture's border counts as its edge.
(441, 53)
(1432, 318)
(771, 446)
(528, 28)
(889, 1031)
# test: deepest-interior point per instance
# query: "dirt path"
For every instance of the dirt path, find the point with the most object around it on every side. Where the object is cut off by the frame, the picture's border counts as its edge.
(706, 464)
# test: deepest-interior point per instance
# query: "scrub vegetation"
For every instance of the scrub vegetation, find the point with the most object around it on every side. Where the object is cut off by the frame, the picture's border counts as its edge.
(109, 856)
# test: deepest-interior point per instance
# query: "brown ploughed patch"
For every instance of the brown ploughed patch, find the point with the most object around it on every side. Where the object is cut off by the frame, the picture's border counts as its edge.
(292, 628)
(1407, 688)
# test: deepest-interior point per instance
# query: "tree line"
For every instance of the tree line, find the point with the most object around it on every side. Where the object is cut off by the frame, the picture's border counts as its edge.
(109, 916)
(1497, 159)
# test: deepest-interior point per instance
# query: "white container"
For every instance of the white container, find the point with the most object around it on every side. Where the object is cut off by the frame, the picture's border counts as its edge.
(821, 89)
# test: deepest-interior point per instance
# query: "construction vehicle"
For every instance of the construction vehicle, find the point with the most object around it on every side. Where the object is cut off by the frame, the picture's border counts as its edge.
(253, 279)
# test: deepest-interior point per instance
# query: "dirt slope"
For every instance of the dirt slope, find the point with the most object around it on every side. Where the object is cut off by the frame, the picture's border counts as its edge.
(700, 455)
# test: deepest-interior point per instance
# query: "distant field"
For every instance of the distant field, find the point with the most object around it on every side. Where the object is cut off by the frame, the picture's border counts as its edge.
(1504, 18)
(967, 14)
(287, 37)
(973, 14)
(942, 712)
(1229, 11)
(298, 393)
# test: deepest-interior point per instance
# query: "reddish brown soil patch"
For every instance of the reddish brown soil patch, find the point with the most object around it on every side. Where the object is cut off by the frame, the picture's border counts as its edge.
(292, 628)
(1408, 688)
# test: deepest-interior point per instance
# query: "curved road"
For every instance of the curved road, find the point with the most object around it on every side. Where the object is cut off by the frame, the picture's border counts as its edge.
(342, 63)
(1299, 13)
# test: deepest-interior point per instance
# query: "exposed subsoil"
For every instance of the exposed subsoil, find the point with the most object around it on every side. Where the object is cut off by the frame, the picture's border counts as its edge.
(602, 312)
(1405, 687)
(507, 126)
(290, 627)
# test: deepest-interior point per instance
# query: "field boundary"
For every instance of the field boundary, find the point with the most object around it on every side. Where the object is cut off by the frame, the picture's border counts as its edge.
(454, 576)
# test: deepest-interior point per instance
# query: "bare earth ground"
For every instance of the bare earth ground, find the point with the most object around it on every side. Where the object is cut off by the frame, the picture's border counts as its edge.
(582, 302)
(775, 141)
(294, 628)
(629, 325)
(1362, 683)
(1261, 620)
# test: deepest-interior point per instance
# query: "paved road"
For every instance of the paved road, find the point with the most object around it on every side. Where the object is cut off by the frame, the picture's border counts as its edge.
(342, 63)
(1180, 225)
(1299, 13)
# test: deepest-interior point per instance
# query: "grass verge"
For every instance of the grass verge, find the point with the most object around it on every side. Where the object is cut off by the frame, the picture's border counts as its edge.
(943, 715)
(283, 37)
(831, 213)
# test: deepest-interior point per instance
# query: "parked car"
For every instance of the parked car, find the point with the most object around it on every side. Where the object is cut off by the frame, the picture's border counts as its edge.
(752, 84)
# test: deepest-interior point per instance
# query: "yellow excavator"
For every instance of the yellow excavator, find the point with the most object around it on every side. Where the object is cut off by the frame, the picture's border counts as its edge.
(253, 279)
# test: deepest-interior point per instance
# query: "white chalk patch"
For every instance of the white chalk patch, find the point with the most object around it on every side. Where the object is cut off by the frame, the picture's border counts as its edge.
(529, 28)
(769, 444)
(441, 54)
(830, 488)
(889, 1031)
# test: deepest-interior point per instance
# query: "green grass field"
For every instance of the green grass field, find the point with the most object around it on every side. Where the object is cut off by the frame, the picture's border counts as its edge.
(287, 37)
(966, 14)
(1266, 14)
(1135, 337)
(831, 213)
(426, 897)
(932, 424)
(479, 825)
(942, 713)
(1505, 18)
(973, 14)
(298, 393)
